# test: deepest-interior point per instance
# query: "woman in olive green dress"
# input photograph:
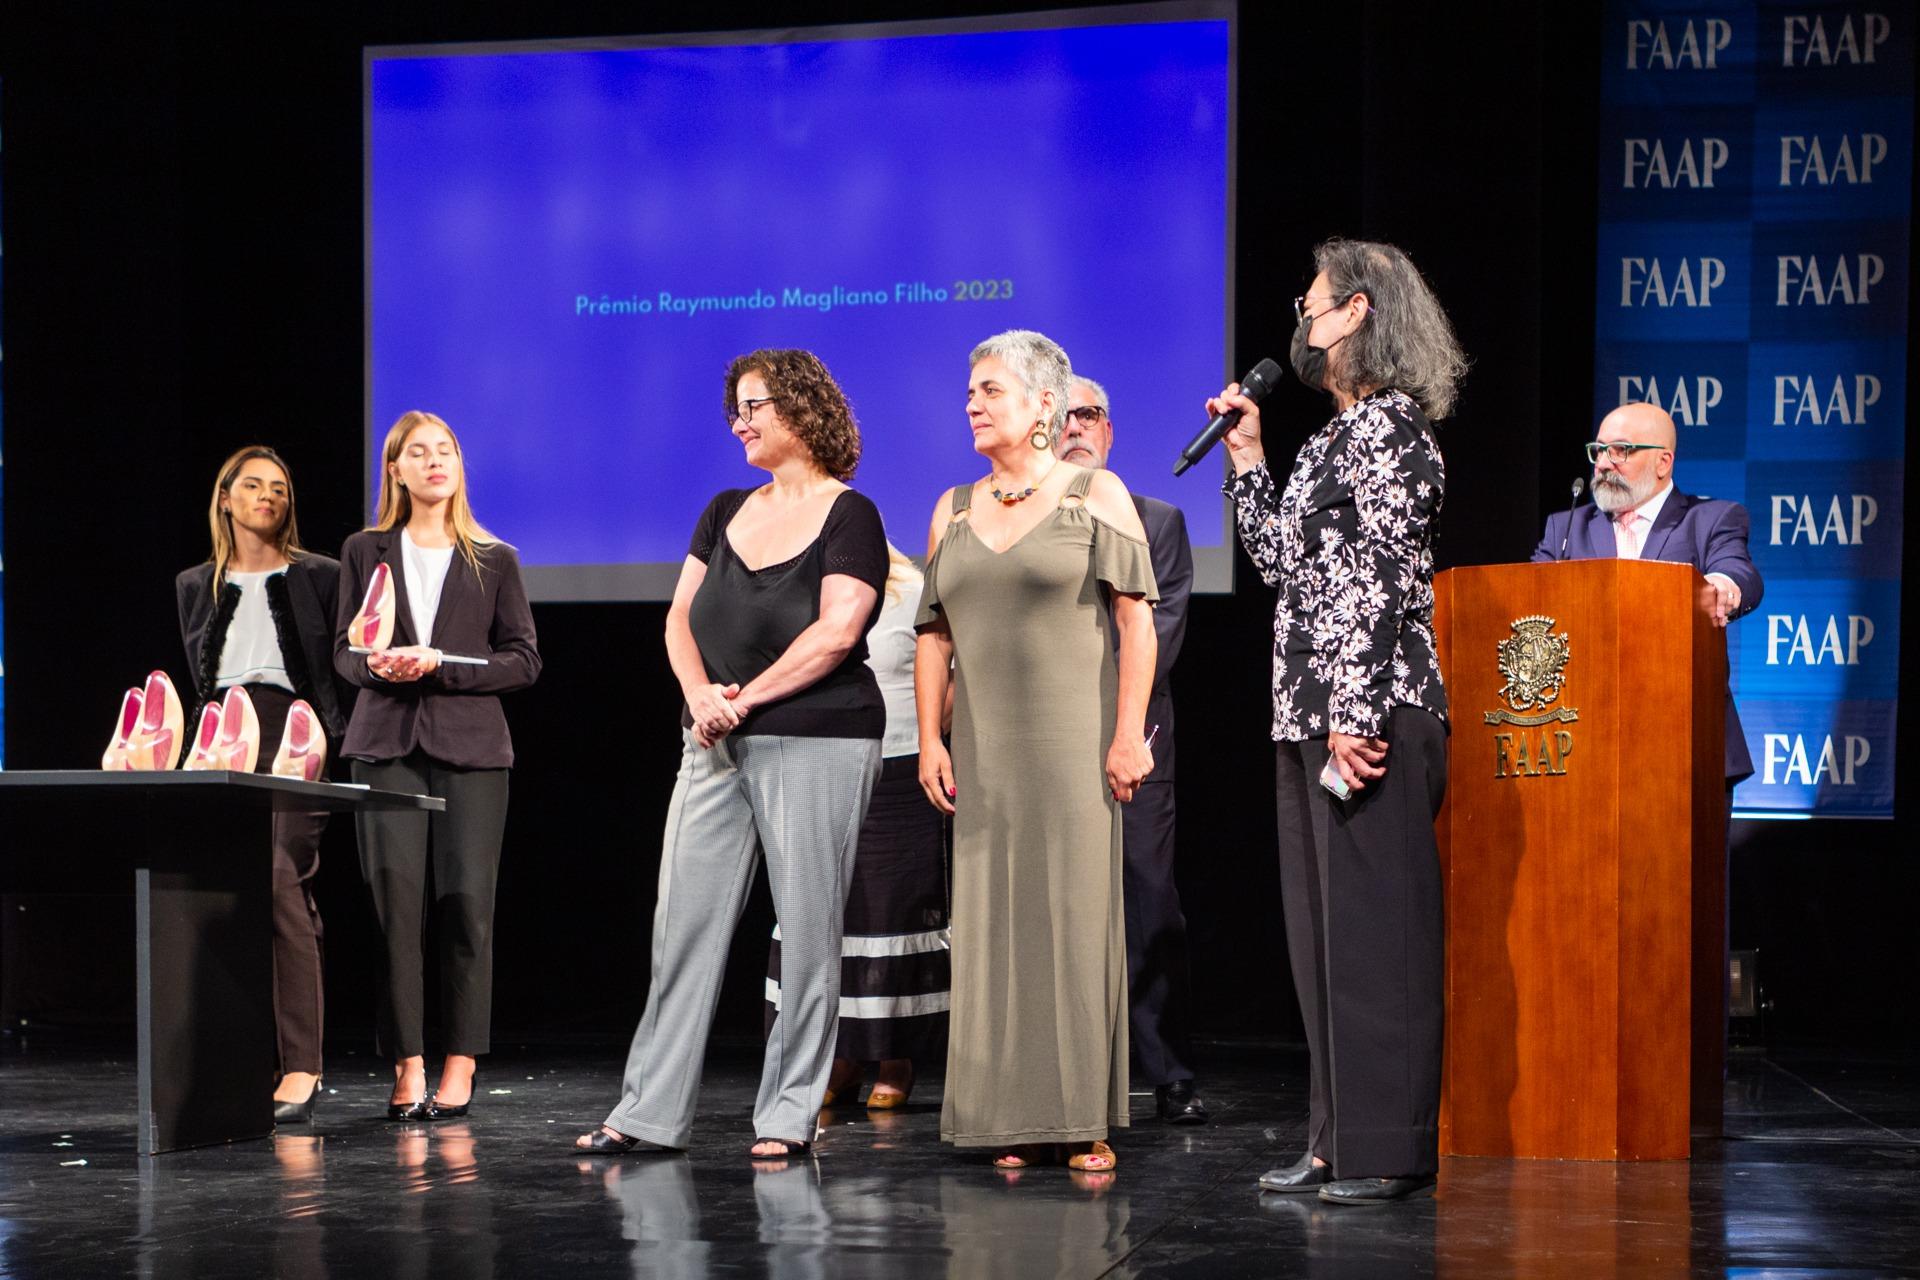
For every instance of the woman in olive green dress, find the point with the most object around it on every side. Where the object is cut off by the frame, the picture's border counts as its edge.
(1032, 571)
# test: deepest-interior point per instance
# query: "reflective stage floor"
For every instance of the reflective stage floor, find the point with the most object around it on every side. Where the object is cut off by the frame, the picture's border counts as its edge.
(1818, 1178)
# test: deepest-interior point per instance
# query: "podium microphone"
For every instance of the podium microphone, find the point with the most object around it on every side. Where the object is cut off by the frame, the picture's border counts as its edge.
(1264, 378)
(1579, 487)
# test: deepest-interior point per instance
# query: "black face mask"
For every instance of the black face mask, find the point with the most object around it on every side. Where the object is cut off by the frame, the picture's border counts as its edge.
(1310, 362)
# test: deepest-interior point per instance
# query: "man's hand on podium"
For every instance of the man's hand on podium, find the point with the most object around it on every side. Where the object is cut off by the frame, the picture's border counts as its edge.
(1726, 598)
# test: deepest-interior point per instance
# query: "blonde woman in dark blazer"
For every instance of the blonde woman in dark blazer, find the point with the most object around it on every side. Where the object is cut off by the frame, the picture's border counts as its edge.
(430, 727)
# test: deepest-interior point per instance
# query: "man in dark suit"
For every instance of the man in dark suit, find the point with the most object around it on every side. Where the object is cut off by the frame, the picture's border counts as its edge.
(1156, 929)
(1637, 513)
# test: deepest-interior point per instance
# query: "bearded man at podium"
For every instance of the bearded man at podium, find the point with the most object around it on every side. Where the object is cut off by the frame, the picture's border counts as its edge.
(1638, 514)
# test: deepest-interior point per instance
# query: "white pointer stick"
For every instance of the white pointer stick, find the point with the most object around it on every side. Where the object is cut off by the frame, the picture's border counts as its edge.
(445, 657)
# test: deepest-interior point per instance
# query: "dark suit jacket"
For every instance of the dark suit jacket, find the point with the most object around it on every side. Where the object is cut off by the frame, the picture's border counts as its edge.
(1708, 533)
(1173, 572)
(453, 715)
(303, 602)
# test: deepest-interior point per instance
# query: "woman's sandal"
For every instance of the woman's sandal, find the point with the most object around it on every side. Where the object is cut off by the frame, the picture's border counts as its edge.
(1097, 1160)
(1027, 1155)
(605, 1142)
(795, 1149)
(878, 1101)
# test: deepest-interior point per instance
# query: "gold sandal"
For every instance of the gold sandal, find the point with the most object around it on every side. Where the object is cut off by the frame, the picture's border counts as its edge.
(1028, 1154)
(1097, 1160)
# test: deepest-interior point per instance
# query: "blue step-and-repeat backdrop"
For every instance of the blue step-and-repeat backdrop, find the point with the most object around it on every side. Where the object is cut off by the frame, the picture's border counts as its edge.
(1755, 187)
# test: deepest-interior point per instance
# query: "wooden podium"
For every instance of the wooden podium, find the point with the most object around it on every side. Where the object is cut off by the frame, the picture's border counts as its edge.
(1583, 846)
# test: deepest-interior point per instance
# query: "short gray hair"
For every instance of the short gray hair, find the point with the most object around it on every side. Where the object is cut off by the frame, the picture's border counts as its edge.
(1098, 392)
(1406, 341)
(1040, 364)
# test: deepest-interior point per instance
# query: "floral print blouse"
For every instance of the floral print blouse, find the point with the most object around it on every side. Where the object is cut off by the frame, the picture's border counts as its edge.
(1350, 545)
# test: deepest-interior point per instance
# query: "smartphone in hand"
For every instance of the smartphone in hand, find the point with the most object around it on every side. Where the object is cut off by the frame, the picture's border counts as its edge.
(1330, 779)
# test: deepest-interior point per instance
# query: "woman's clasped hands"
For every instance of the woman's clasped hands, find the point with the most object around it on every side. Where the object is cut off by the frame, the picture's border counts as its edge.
(717, 711)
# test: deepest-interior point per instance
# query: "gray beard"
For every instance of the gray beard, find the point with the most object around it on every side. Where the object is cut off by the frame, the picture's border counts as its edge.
(1612, 494)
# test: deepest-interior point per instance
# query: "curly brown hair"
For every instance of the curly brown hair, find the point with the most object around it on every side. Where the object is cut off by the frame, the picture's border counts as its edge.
(810, 402)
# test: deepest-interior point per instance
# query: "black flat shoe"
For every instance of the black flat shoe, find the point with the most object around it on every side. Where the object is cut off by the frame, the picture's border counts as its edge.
(1178, 1103)
(296, 1112)
(602, 1143)
(1302, 1176)
(1376, 1190)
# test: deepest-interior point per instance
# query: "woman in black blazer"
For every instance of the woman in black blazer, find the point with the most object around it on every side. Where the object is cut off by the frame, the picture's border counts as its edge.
(429, 727)
(259, 615)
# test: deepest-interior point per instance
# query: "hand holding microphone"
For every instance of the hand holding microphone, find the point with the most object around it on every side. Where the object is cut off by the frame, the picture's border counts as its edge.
(1245, 447)
(1236, 417)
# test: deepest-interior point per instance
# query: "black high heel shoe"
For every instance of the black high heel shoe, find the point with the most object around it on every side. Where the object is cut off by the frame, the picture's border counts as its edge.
(408, 1110)
(435, 1111)
(412, 1111)
(297, 1112)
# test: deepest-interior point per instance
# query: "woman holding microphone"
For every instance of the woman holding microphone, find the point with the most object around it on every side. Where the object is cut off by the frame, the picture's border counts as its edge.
(1359, 713)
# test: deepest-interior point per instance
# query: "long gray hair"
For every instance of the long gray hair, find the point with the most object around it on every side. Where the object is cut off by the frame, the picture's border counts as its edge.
(1039, 362)
(1406, 340)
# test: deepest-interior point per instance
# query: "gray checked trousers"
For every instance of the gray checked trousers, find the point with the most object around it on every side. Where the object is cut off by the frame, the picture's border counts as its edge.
(800, 802)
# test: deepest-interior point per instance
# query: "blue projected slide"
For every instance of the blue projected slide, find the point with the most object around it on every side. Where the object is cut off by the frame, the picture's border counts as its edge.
(566, 245)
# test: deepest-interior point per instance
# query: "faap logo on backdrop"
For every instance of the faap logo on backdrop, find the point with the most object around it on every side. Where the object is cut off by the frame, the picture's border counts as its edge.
(1824, 520)
(1754, 248)
(1702, 384)
(1829, 280)
(1812, 756)
(1812, 401)
(1652, 166)
(1674, 282)
(1830, 636)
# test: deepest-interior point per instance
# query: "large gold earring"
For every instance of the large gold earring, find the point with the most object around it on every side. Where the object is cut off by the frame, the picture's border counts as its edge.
(1041, 438)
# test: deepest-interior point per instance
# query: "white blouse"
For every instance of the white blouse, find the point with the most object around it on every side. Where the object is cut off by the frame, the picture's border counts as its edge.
(890, 654)
(251, 654)
(426, 573)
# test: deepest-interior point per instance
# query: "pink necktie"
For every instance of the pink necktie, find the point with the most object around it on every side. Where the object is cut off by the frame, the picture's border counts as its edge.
(1625, 540)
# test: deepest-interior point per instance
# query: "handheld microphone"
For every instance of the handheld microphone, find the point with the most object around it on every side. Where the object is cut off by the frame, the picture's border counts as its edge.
(1579, 487)
(1264, 378)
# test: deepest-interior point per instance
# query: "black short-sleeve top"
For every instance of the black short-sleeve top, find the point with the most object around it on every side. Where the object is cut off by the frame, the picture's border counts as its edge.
(744, 619)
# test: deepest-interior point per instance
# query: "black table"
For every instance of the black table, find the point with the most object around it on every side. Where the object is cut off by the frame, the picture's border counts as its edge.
(199, 846)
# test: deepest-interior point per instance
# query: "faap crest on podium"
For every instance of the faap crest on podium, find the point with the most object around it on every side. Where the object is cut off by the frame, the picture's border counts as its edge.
(1534, 662)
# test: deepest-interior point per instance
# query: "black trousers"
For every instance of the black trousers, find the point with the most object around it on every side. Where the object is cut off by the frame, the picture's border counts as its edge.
(462, 848)
(299, 1001)
(1159, 991)
(1360, 889)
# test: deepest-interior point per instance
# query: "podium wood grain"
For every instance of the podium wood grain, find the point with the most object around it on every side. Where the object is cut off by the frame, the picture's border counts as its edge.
(1586, 909)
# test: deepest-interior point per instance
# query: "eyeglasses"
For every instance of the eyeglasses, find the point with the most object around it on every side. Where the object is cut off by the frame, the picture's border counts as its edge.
(1087, 414)
(1300, 306)
(1617, 451)
(744, 411)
